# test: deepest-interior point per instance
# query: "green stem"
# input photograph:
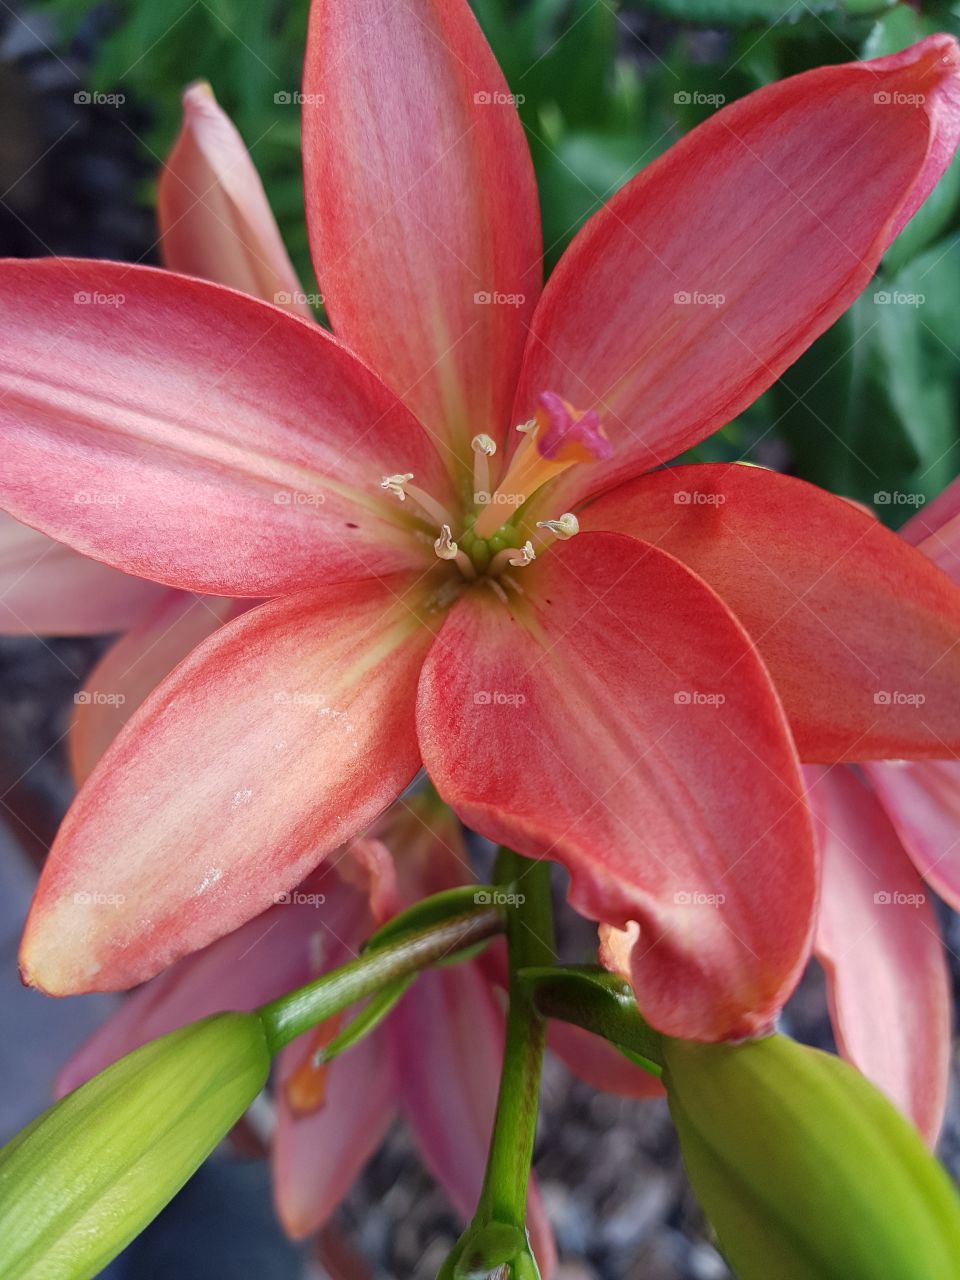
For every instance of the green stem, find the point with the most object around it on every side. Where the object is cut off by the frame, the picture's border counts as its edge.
(530, 944)
(600, 1002)
(289, 1016)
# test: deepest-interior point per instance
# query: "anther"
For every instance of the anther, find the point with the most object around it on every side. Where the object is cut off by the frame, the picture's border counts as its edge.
(515, 557)
(445, 547)
(395, 484)
(564, 528)
(400, 486)
(521, 557)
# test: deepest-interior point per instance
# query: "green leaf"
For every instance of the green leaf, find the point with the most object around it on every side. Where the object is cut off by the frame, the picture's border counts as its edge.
(433, 910)
(872, 407)
(806, 1171)
(578, 173)
(589, 997)
(87, 1175)
(369, 1017)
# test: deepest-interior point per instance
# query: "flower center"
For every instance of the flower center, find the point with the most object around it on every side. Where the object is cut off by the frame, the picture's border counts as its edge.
(557, 438)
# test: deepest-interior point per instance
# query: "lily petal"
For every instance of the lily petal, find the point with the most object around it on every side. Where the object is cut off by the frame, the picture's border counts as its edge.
(422, 206)
(47, 589)
(269, 955)
(922, 801)
(859, 631)
(133, 667)
(597, 1062)
(935, 530)
(878, 942)
(318, 1154)
(214, 218)
(614, 720)
(672, 311)
(278, 739)
(447, 1040)
(195, 436)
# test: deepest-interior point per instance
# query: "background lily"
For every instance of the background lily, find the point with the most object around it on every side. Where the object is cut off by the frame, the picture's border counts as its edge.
(436, 1058)
(888, 829)
(214, 222)
(238, 450)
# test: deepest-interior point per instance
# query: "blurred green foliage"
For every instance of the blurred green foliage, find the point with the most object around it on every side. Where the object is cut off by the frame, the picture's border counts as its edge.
(604, 87)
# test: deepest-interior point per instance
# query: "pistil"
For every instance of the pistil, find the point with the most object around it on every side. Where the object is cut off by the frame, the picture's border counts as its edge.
(559, 437)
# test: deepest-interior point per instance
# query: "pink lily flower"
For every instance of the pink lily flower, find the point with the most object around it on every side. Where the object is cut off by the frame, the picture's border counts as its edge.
(448, 1029)
(887, 830)
(214, 222)
(602, 697)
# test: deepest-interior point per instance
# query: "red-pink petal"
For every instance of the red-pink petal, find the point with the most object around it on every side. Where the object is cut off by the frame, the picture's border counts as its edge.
(273, 953)
(47, 589)
(190, 434)
(709, 273)
(878, 941)
(422, 206)
(278, 739)
(935, 530)
(615, 720)
(447, 1041)
(133, 667)
(597, 1062)
(933, 515)
(214, 218)
(317, 1155)
(922, 800)
(859, 631)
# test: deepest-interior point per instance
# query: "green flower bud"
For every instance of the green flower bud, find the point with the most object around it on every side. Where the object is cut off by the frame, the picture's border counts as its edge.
(806, 1171)
(88, 1174)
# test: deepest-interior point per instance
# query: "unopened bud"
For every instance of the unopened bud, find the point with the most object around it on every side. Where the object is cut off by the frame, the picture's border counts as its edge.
(804, 1168)
(89, 1174)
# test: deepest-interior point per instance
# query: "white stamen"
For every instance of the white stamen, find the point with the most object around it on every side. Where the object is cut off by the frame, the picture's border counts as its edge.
(519, 558)
(516, 557)
(528, 426)
(430, 509)
(564, 528)
(395, 484)
(483, 450)
(445, 547)
(483, 444)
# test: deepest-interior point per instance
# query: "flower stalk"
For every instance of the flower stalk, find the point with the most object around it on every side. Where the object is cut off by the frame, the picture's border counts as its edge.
(397, 951)
(495, 1243)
